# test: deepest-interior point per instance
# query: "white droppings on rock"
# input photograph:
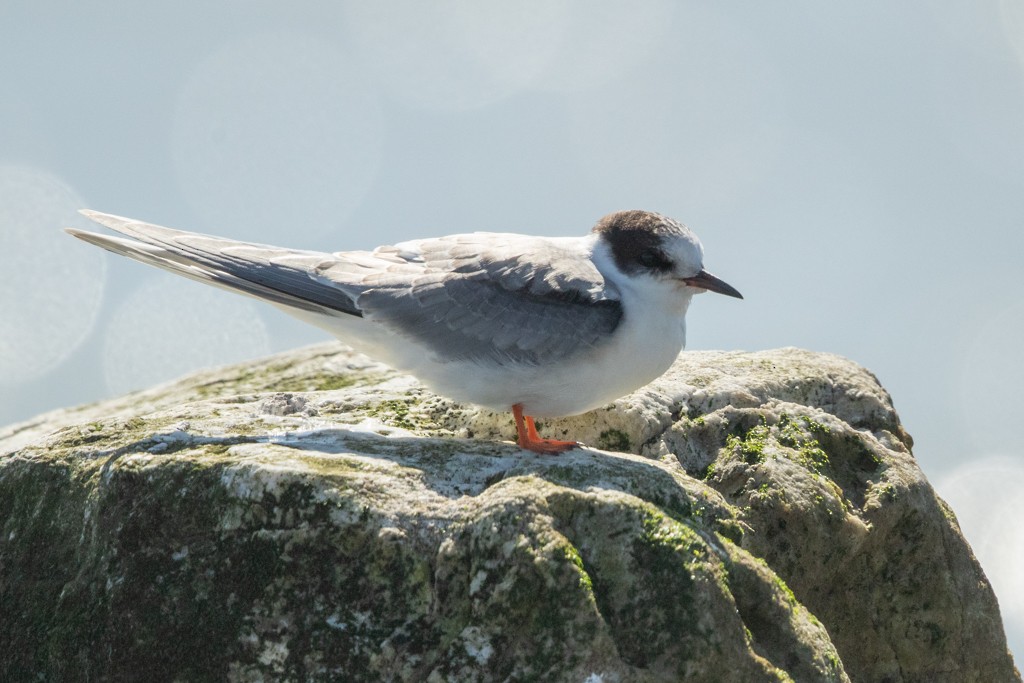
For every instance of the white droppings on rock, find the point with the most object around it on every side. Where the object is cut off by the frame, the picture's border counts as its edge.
(477, 583)
(274, 654)
(477, 644)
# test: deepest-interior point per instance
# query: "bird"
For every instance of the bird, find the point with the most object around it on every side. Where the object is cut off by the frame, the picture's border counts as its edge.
(543, 326)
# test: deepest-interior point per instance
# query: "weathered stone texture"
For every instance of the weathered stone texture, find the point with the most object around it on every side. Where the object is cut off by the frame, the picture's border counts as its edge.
(315, 516)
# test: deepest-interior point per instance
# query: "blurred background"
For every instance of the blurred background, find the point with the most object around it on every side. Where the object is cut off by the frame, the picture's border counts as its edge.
(856, 170)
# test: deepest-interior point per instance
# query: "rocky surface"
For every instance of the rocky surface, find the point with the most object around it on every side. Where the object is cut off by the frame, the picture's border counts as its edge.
(314, 516)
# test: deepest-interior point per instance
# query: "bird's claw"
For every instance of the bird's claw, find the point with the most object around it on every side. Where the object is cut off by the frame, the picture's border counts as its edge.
(548, 446)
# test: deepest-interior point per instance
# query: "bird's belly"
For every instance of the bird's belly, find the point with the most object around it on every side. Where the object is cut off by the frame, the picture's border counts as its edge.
(568, 387)
(637, 354)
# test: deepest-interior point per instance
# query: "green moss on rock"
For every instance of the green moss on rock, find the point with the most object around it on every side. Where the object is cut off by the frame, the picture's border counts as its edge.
(614, 440)
(269, 522)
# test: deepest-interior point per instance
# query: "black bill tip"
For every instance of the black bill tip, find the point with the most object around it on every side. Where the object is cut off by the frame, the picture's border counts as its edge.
(705, 280)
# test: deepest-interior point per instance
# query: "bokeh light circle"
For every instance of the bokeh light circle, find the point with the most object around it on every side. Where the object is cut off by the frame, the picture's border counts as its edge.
(52, 284)
(987, 495)
(455, 54)
(703, 139)
(601, 42)
(991, 373)
(276, 134)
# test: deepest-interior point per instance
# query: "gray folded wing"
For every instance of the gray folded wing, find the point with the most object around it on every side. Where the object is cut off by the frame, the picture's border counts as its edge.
(479, 297)
(490, 297)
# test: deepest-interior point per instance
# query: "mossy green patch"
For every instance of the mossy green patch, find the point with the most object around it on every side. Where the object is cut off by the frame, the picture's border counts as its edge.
(708, 471)
(614, 440)
(852, 448)
(730, 529)
(566, 475)
(218, 448)
(278, 377)
(801, 433)
(751, 445)
(665, 551)
(887, 492)
(394, 412)
(319, 382)
(573, 557)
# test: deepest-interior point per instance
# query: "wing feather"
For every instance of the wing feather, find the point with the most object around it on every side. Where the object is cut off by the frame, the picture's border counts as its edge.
(282, 276)
(492, 297)
(478, 297)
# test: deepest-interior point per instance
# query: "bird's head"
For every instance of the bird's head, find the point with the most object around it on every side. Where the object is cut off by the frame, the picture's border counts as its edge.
(650, 246)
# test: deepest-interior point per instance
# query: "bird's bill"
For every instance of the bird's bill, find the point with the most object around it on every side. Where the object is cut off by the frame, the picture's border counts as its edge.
(705, 280)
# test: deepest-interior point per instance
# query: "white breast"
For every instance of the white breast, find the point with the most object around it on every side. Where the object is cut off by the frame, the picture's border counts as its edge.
(643, 346)
(641, 349)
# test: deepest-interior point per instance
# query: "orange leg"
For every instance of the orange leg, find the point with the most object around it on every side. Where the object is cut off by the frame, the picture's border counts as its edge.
(530, 439)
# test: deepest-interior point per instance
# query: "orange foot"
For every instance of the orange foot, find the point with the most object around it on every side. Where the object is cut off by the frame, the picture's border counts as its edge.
(530, 439)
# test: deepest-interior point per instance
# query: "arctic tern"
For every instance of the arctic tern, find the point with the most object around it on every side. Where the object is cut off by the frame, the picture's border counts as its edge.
(542, 326)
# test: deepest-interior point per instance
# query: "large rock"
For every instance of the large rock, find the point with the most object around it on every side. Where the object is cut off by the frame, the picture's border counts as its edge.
(315, 516)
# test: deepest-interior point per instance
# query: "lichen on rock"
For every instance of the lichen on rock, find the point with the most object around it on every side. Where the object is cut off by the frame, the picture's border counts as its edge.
(316, 516)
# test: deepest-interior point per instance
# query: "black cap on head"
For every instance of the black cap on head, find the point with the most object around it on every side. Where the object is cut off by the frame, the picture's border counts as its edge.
(636, 239)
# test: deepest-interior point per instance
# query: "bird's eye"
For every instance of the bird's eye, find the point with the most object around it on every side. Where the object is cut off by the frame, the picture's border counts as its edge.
(653, 259)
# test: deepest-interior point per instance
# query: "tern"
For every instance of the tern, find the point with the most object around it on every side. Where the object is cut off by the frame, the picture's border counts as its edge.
(542, 326)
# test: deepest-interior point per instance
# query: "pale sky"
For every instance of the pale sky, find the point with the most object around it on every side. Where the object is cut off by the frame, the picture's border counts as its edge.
(856, 170)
